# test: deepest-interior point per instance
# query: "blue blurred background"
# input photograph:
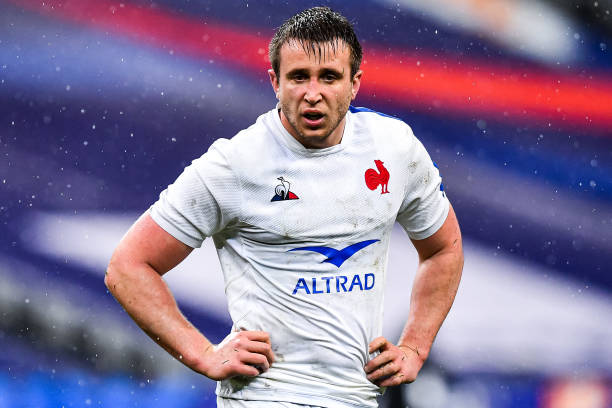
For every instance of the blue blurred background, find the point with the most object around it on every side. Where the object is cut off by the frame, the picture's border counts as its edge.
(103, 103)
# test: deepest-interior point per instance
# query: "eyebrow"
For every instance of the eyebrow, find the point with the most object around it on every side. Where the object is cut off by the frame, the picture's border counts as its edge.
(332, 71)
(301, 71)
(305, 72)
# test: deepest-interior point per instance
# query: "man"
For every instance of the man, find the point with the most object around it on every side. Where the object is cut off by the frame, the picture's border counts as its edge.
(300, 206)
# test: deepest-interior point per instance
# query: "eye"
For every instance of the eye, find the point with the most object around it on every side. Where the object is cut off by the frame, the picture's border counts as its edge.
(299, 77)
(329, 77)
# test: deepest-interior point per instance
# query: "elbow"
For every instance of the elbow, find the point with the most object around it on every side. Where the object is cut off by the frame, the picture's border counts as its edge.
(112, 275)
(110, 278)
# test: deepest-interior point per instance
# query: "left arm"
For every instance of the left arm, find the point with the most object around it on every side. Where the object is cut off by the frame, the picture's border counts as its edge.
(433, 292)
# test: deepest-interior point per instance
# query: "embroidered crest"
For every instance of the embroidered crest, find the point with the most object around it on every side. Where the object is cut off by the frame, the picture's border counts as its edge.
(283, 192)
(374, 178)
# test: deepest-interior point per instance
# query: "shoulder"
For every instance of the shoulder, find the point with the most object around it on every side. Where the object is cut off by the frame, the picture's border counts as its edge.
(383, 128)
(248, 142)
(251, 141)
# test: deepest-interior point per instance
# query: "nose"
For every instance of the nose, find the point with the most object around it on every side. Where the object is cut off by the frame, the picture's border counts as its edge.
(313, 92)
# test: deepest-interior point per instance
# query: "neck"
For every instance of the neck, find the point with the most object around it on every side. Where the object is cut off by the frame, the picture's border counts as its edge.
(315, 142)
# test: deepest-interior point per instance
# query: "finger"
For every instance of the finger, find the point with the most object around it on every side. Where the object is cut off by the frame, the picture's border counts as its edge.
(261, 348)
(258, 360)
(376, 344)
(245, 370)
(256, 335)
(381, 359)
(383, 372)
(397, 379)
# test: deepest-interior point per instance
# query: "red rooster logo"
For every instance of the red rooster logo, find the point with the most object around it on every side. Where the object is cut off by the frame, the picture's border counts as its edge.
(375, 178)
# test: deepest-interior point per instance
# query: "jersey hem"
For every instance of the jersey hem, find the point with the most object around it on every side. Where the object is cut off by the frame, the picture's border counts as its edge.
(296, 398)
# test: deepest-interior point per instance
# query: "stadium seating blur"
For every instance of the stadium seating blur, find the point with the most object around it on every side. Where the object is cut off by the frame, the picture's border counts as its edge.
(103, 103)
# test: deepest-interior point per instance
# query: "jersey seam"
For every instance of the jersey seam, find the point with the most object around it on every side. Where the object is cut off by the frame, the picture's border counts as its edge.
(240, 219)
(239, 182)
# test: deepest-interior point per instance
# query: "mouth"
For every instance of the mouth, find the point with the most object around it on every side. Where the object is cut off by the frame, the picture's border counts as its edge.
(313, 118)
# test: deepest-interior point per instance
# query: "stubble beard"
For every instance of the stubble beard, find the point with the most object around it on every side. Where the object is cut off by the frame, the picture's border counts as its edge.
(292, 118)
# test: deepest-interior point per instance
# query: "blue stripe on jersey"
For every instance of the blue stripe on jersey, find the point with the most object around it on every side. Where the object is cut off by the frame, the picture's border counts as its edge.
(355, 109)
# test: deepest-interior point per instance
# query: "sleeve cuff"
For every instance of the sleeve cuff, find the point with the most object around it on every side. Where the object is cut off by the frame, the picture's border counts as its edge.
(167, 226)
(433, 228)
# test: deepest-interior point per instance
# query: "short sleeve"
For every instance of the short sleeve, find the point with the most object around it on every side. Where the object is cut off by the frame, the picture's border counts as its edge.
(425, 204)
(202, 200)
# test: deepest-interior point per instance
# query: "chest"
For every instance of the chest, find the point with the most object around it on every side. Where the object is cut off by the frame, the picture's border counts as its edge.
(323, 198)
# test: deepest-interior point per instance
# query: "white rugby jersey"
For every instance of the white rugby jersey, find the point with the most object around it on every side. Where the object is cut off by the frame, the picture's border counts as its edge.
(302, 237)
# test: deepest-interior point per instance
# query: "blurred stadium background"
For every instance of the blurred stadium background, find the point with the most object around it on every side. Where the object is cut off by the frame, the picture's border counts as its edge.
(103, 103)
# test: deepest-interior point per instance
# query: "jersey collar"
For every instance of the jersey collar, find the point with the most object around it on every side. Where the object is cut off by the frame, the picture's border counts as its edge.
(289, 141)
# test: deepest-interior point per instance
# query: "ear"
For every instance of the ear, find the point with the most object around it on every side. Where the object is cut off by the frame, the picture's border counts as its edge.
(356, 83)
(274, 81)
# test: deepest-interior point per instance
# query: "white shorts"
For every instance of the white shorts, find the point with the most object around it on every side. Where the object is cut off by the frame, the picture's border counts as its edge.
(236, 403)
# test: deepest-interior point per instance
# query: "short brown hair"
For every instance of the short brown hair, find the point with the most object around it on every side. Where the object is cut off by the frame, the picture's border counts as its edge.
(312, 28)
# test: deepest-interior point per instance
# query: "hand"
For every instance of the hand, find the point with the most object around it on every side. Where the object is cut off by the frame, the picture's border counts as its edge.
(246, 353)
(394, 365)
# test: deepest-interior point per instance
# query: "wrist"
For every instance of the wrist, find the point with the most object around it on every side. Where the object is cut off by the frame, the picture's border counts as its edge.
(203, 359)
(197, 358)
(414, 350)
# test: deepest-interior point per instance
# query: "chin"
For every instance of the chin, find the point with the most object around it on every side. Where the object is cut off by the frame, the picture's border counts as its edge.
(311, 141)
(317, 136)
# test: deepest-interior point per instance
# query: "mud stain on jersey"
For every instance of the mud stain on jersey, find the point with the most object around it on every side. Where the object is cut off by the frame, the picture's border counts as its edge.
(412, 167)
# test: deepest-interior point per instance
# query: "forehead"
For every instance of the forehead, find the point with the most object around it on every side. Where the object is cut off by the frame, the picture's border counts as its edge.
(295, 54)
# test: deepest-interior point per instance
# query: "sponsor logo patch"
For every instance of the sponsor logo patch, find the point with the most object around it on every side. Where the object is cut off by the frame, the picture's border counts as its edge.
(334, 256)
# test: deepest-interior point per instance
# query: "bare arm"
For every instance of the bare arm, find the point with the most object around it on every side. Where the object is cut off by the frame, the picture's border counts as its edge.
(134, 277)
(433, 292)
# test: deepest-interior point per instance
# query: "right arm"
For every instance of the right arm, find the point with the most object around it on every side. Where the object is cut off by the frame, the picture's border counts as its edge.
(134, 277)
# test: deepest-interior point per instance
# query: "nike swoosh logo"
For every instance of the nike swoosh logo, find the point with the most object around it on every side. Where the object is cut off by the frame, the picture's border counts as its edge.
(333, 255)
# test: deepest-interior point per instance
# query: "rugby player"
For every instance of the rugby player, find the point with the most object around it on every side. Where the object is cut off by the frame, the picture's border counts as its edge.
(300, 206)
